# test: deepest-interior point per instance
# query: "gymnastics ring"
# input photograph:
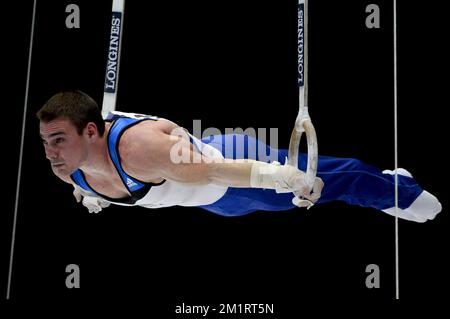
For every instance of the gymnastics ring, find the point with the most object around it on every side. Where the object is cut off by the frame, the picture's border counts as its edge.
(303, 122)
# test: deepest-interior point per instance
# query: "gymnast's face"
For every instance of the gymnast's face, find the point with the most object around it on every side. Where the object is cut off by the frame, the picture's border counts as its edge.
(64, 147)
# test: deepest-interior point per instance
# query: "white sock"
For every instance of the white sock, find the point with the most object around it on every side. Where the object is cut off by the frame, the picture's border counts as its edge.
(425, 206)
(403, 214)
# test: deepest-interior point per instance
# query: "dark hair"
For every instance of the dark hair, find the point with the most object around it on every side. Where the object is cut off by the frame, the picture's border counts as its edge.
(76, 106)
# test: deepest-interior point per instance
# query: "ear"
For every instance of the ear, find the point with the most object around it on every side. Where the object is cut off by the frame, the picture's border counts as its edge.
(91, 130)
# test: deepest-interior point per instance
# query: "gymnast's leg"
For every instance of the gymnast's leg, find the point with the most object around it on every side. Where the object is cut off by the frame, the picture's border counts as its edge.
(346, 179)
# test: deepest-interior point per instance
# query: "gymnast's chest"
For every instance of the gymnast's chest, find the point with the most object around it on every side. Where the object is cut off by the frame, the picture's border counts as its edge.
(112, 187)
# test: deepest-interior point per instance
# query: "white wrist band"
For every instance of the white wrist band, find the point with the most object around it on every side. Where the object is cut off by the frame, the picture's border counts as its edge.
(273, 176)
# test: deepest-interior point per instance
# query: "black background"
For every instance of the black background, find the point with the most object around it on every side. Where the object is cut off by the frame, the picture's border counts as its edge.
(230, 64)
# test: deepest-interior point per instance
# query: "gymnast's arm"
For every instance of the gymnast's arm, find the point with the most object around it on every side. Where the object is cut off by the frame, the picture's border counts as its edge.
(150, 153)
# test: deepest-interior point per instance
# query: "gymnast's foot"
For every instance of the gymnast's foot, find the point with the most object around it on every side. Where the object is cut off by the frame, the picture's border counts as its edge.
(425, 207)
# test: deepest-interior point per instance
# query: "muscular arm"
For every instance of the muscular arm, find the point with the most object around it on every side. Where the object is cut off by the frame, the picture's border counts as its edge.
(152, 152)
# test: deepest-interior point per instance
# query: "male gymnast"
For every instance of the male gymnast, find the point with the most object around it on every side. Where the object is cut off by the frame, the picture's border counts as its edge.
(130, 159)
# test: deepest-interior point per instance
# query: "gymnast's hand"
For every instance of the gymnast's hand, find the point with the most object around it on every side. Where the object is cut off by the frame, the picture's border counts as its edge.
(304, 197)
(94, 204)
(286, 179)
(294, 181)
